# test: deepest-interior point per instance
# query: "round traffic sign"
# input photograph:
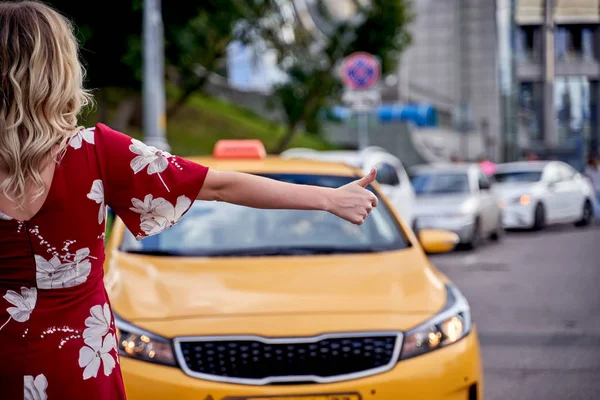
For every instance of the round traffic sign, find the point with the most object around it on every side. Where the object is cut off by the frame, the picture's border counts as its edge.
(360, 71)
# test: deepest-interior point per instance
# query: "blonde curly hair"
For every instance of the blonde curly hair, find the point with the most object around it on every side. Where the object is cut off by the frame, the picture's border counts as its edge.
(41, 94)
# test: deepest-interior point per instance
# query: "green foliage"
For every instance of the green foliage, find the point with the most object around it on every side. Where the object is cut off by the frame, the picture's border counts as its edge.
(204, 120)
(380, 29)
(197, 34)
(384, 32)
(110, 221)
(105, 30)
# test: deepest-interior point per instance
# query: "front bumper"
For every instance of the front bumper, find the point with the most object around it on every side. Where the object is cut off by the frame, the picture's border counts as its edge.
(450, 373)
(463, 226)
(518, 216)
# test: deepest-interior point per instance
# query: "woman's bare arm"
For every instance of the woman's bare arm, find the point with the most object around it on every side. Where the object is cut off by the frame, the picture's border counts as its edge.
(351, 202)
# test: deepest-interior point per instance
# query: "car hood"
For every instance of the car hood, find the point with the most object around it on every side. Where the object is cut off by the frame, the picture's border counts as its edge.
(440, 203)
(144, 288)
(513, 190)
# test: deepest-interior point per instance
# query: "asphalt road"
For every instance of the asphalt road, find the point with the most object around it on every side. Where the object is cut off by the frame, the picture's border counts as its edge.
(536, 301)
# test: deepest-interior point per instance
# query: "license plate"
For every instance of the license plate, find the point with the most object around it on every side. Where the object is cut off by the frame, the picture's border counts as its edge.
(306, 397)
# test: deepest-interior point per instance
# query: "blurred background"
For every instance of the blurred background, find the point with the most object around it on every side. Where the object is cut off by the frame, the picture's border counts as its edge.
(460, 77)
(473, 80)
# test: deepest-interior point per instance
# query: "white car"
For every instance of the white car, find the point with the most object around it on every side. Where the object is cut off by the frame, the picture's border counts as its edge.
(391, 175)
(458, 198)
(537, 193)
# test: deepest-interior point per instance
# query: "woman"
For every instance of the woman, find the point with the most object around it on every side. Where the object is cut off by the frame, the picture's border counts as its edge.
(57, 334)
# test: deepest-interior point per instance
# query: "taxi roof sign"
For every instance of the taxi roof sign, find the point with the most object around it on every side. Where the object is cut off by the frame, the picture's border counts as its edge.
(239, 148)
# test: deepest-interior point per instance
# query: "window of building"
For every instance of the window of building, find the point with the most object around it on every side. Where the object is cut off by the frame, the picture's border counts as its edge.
(572, 101)
(530, 110)
(574, 42)
(593, 146)
(529, 43)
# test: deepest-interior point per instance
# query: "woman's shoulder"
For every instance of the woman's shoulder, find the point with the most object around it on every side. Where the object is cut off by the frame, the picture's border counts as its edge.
(83, 135)
(92, 135)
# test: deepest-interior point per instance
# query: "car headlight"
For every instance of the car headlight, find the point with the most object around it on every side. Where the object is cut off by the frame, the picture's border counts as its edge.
(136, 343)
(523, 200)
(449, 326)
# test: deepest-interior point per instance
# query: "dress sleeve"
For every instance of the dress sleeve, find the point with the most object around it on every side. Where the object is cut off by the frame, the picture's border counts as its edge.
(149, 189)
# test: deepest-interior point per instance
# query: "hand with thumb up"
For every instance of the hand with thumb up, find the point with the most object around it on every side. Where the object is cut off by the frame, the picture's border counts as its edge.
(353, 202)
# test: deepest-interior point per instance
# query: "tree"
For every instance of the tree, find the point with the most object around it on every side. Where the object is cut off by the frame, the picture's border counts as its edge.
(380, 28)
(197, 36)
(104, 30)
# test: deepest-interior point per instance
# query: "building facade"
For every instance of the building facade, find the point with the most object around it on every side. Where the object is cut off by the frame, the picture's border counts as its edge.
(452, 63)
(557, 52)
(531, 83)
(455, 59)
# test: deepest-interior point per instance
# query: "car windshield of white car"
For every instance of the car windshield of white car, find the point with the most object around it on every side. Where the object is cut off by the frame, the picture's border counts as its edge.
(217, 229)
(518, 176)
(440, 183)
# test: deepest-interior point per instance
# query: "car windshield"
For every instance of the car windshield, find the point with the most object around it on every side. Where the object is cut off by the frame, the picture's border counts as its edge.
(440, 183)
(217, 229)
(518, 176)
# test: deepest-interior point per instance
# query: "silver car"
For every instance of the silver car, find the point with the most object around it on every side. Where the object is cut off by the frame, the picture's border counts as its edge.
(458, 198)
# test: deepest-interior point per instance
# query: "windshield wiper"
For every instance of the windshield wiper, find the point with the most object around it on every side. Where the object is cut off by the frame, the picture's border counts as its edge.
(294, 251)
(271, 251)
(158, 253)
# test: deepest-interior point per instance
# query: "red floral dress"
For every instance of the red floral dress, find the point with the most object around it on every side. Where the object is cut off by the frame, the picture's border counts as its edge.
(57, 334)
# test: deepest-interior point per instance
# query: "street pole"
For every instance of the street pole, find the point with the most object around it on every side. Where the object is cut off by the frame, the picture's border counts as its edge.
(513, 104)
(464, 81)
(153, 89)
(506, 18)
(549, 116)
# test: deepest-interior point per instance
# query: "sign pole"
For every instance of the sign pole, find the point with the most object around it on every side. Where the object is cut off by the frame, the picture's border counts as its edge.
(360, 74)
(363, 130)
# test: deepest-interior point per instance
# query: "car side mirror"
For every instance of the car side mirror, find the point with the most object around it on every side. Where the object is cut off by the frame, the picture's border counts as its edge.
(435, 241)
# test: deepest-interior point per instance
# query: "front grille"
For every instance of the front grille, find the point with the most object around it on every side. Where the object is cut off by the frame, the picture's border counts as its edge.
(255, 360)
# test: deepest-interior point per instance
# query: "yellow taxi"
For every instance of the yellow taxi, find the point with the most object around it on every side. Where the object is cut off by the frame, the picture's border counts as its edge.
(238, 303)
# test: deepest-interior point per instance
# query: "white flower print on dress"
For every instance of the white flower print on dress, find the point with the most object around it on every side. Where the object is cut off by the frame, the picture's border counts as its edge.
(96, 352)
(47, 272)
(97, 194)
(148, 156)
(98, 323)
(146, 208)
(24, 304)
(54, 273)
(35, 389)
(4, 216)
(159, 214)
(86, 135)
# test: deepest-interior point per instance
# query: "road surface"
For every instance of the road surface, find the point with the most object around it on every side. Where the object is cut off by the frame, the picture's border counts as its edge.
(536, 301)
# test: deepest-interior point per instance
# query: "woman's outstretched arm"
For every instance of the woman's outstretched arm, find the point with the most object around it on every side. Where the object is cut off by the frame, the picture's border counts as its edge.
(351, 202)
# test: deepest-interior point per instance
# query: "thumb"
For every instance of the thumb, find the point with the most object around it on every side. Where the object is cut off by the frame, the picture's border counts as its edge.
(367, 179)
